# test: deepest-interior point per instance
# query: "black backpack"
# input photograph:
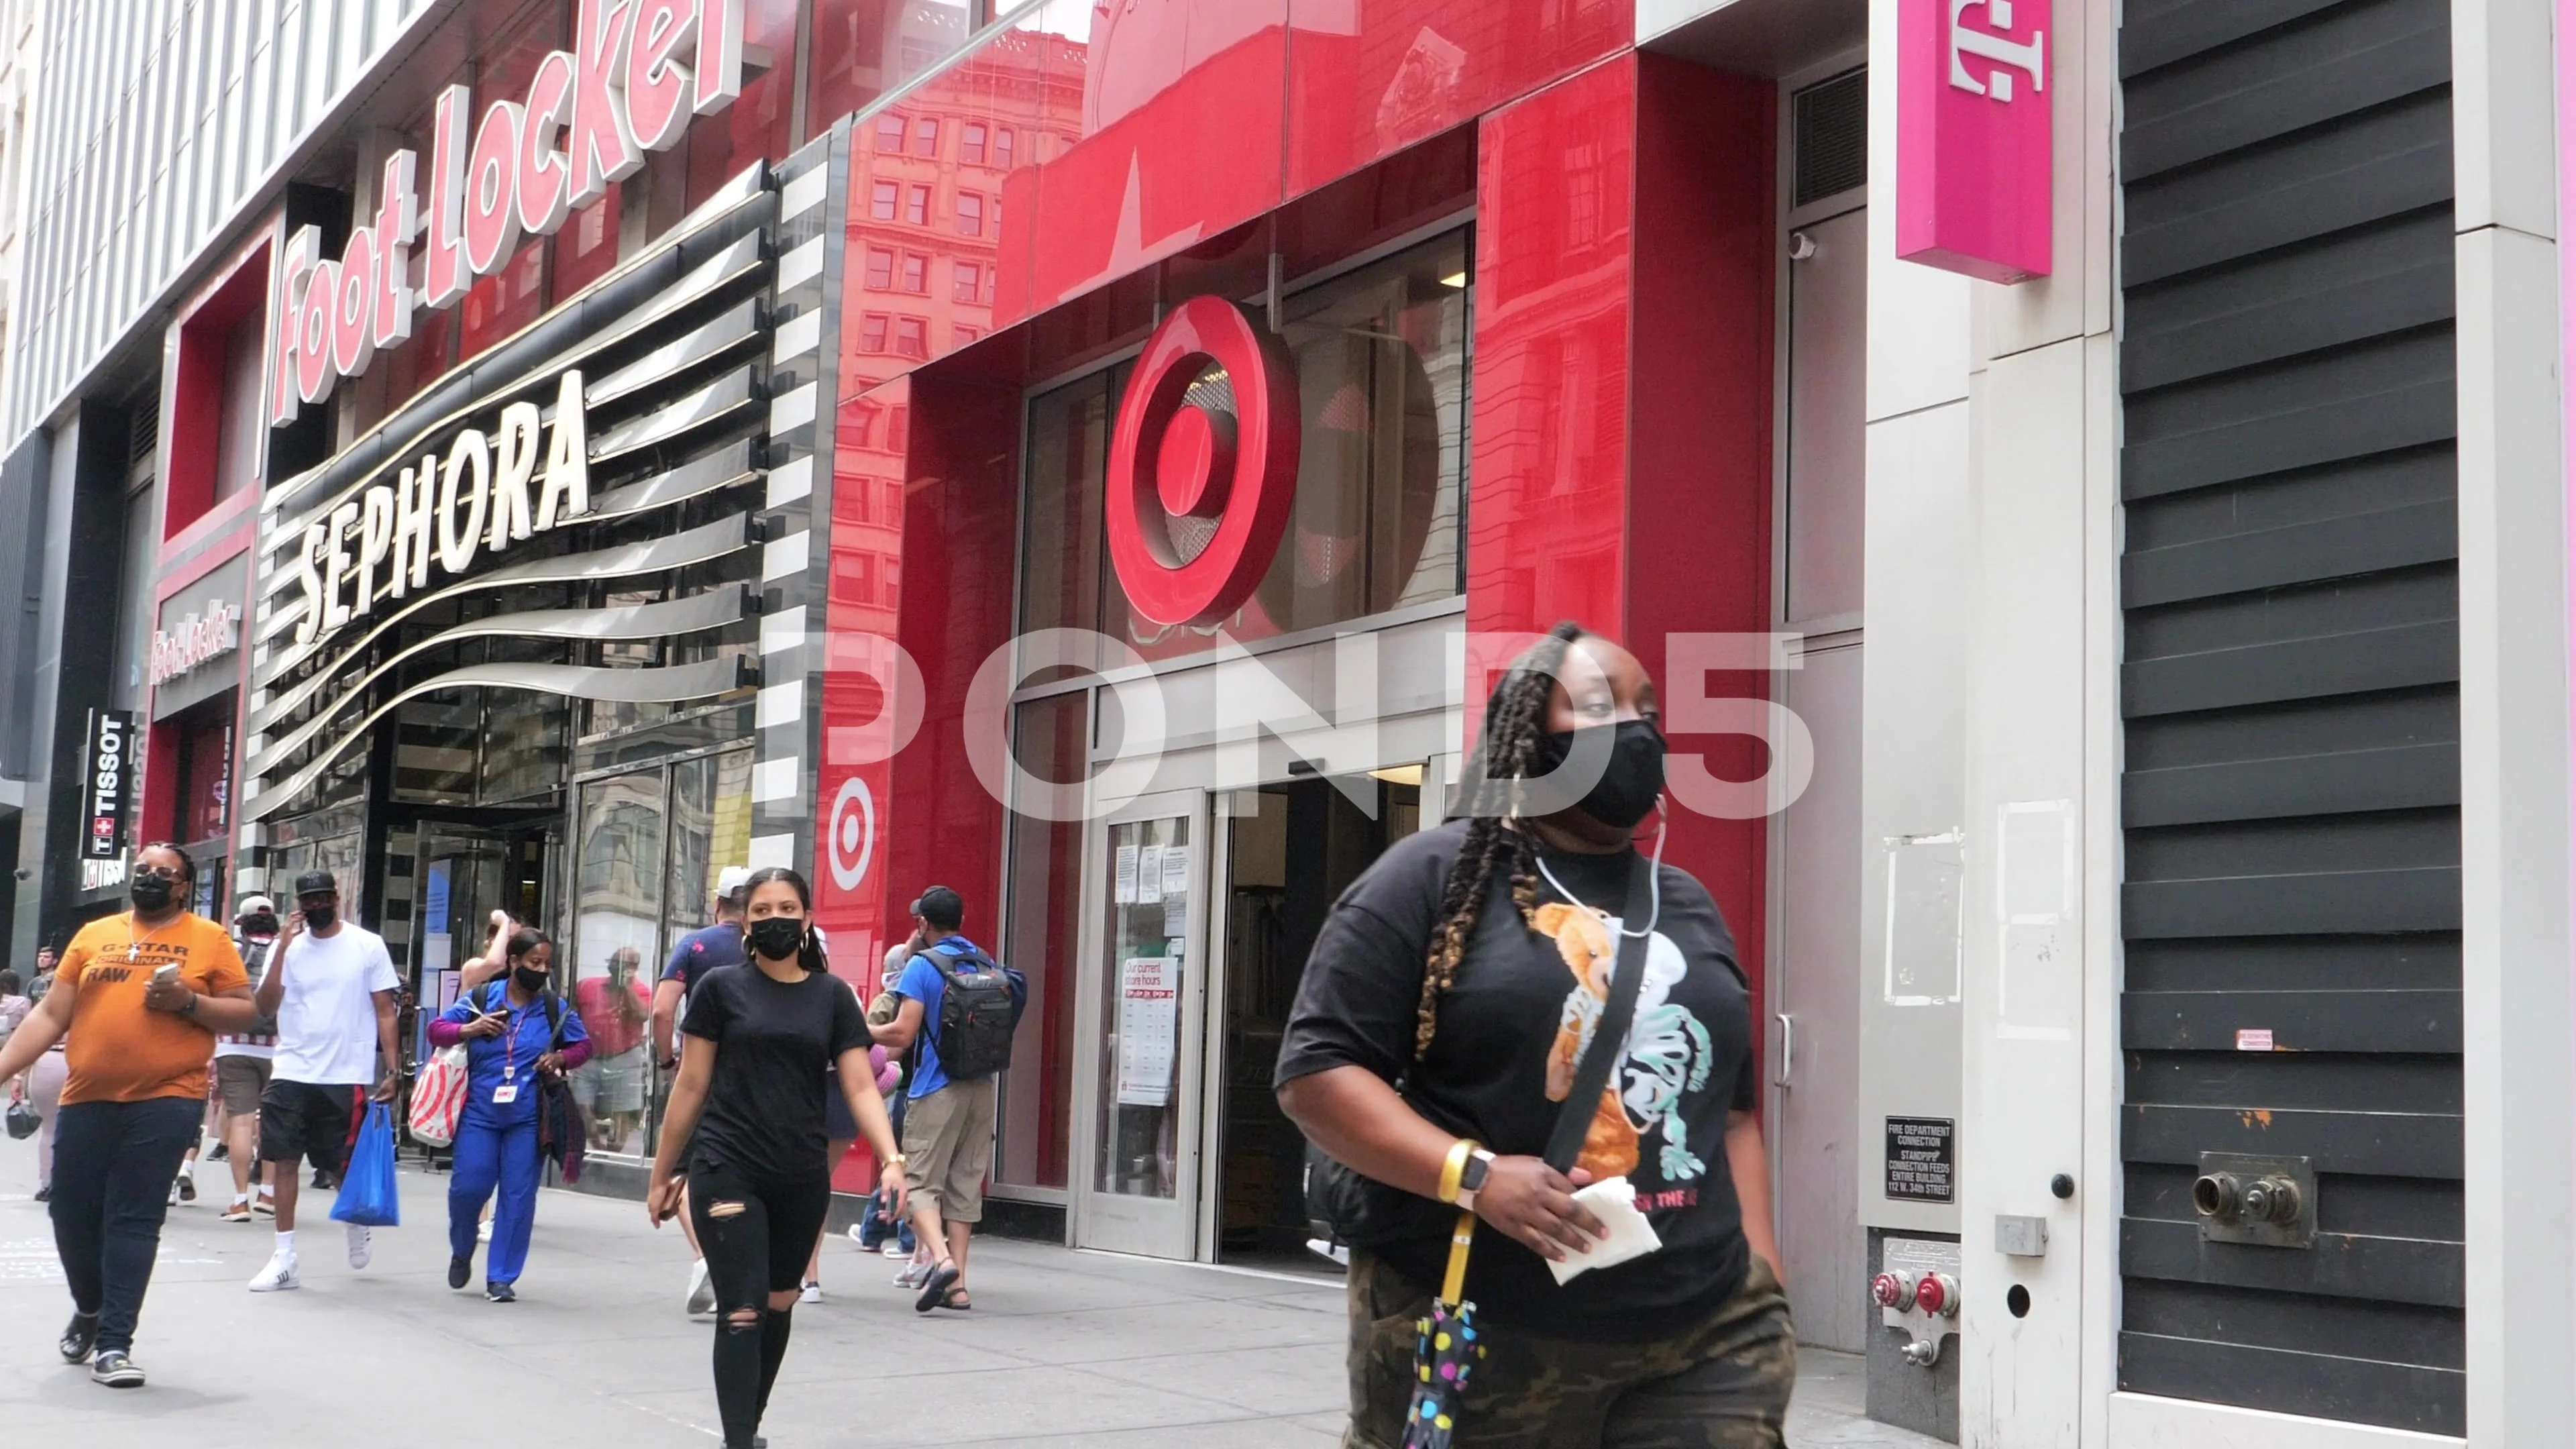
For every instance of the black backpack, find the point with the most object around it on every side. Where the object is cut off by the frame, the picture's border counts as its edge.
(979, 1010)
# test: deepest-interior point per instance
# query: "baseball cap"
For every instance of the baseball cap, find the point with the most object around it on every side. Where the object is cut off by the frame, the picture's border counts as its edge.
(256, 906)
(939, 905)
(317, 882)
(731, 880)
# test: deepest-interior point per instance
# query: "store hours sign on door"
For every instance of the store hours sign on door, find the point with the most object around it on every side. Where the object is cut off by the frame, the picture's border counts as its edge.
(1149, 1029)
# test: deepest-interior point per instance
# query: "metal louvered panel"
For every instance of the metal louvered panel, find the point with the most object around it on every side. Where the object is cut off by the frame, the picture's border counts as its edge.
(1829, 137)
(2291, 798)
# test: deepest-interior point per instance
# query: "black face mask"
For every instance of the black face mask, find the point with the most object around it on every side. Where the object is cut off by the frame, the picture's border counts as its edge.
(319, 918)
(530, 981)
(1631, 779)
(776, 937)
(151, 892)
(259, 925)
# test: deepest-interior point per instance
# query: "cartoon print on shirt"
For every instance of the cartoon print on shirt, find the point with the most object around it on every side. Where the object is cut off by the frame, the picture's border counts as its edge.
(1669, 1051)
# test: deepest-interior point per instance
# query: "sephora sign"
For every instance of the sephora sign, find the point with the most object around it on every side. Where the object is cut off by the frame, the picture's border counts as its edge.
(638, 72)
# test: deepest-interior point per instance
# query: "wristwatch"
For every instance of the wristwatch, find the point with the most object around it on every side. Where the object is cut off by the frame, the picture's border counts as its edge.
(1471, 1178)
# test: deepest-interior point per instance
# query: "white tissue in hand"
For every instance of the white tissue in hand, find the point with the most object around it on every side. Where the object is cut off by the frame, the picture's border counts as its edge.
(1614, 1202)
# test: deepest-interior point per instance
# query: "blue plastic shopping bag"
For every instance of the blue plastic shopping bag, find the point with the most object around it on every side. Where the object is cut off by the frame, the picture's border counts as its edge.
(368, 1196)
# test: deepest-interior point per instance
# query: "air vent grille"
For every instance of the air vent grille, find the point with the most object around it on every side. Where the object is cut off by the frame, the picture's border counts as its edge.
(1829, 136)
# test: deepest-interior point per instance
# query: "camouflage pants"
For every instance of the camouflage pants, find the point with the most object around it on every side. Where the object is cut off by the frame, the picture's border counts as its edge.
(1723, 1384)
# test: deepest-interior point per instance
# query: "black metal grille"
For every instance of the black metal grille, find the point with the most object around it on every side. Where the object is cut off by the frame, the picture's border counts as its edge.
(1829, 140)
(2290, 693)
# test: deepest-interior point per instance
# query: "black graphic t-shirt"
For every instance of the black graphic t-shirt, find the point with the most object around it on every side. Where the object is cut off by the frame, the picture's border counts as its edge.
(764, 1116)
(1510, 1033)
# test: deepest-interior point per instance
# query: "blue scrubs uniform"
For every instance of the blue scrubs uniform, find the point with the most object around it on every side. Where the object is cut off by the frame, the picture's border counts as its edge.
(496, 1141)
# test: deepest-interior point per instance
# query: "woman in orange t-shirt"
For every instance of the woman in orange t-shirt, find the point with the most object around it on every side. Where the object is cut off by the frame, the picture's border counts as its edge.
(137, 1002)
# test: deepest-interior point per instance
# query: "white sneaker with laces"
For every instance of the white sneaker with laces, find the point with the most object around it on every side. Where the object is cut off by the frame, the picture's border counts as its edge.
(702, 1292)
(278, 1277)
(812, 1292)
(361, 1246)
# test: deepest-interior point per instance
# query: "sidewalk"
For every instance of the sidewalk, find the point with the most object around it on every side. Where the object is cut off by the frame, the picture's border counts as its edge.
(1069, 1349)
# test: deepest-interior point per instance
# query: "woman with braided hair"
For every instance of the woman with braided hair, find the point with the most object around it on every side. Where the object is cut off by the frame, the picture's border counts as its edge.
(1435, 1041)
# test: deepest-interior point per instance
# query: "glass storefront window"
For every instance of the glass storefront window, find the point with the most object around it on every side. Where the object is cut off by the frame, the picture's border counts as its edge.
(1382, 367)
(1045, 943)
(865, 48)
(650, 843)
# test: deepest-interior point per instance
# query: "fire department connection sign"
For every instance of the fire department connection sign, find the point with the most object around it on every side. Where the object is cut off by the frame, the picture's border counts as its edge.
(1973, 191)
(638, 72)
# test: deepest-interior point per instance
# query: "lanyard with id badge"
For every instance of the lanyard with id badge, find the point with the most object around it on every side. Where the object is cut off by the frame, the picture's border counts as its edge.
(507, 1091)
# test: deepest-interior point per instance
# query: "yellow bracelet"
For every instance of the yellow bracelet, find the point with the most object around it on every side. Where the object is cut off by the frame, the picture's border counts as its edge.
(898, 1162)
(1455, 1167)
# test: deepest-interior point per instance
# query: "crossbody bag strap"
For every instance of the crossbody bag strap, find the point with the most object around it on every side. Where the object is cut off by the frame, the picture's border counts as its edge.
(1610, 1034)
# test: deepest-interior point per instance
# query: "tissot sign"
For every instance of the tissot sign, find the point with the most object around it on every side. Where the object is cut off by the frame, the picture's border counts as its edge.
(1973, 190)
(638, 72)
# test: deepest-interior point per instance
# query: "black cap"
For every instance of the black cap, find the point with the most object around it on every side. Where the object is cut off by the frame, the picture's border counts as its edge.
(941, 906)
(317, 882)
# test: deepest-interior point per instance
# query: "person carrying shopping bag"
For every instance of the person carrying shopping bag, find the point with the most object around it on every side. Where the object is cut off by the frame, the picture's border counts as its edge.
(1444, 1025)
(750, 1127)
(517, 1033)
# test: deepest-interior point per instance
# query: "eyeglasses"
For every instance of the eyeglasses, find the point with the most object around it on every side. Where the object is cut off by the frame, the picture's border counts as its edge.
(155, 872)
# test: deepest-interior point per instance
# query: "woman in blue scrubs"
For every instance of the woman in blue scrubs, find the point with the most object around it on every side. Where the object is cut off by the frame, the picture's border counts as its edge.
(510, 1029)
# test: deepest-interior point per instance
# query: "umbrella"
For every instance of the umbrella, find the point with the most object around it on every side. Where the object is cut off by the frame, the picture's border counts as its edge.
(1446, 1350)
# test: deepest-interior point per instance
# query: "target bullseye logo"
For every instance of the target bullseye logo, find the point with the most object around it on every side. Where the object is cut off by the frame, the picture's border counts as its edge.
(850, 833)
(1178, 457)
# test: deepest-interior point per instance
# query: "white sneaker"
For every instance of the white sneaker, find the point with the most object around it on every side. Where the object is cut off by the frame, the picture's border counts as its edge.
(361, 1246)
(895, 1249)
(812, 1292)
(483, 1231)
(702, 1293)
(278, 1277)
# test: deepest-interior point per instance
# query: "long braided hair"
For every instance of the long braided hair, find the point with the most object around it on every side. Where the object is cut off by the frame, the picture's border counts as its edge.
(1515, 732)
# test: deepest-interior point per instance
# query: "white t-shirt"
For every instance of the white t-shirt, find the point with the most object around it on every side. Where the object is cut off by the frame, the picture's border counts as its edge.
(326, 1019)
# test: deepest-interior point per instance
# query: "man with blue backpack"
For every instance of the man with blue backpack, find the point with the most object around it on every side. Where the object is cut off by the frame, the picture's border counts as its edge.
(961, 1007)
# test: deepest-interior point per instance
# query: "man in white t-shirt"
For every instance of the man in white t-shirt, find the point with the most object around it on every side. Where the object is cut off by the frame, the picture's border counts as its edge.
(331, 987)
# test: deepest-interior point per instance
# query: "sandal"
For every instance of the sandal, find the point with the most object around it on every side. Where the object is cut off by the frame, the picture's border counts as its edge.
(958, 1300)
(934, 1289)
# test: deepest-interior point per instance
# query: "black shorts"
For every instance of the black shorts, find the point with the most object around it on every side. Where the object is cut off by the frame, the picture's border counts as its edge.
(838, 1124)
(303, 1120)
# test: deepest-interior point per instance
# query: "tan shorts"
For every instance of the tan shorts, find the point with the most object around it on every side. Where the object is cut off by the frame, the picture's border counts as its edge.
(948, 1147)
(239, 1081)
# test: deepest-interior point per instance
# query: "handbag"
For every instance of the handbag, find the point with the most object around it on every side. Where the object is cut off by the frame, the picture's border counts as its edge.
(369, 1196)
(23, 1121)
(563, 1134)
(438, 1097)
(1345, 1207)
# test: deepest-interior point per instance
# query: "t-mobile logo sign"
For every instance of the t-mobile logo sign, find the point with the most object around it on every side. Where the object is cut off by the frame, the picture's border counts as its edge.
(1994, 43)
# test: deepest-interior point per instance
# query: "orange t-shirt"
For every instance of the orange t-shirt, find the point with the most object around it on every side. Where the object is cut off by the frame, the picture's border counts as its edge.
(118, 1049)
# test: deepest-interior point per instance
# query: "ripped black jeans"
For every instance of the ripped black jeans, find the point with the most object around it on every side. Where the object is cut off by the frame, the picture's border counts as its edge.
(757, 1232)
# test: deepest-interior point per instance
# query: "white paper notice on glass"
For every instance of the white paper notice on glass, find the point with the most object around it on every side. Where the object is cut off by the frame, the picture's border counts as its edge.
(1176, 920)
(1149, 1000)
(1126, 875)
(1149, 875)
(1176, 871)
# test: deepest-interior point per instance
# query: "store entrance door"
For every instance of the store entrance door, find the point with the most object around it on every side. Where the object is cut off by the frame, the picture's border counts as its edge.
(1143, 997)
(462, 875)
(1287, 861)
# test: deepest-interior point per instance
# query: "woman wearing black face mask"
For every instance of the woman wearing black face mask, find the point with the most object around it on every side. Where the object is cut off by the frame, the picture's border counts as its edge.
(1473, 963)
(517, 1031)
(746, 1119)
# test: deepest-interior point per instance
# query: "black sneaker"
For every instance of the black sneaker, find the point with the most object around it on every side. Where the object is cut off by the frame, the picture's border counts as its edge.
(79, 1337)
(221, 1153)
(325, 1181)
(459, 1269)
(114, 1369)
(500, 1293)
(187, 1187)
(44, 1194)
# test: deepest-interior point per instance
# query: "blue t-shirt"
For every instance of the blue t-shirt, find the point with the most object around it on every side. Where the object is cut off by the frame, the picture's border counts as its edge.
(511, 1056)
(921, 981)
(701, 951)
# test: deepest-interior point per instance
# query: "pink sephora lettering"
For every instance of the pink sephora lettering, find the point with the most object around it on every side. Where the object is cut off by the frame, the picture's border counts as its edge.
(1973, 191)
(638, 72)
